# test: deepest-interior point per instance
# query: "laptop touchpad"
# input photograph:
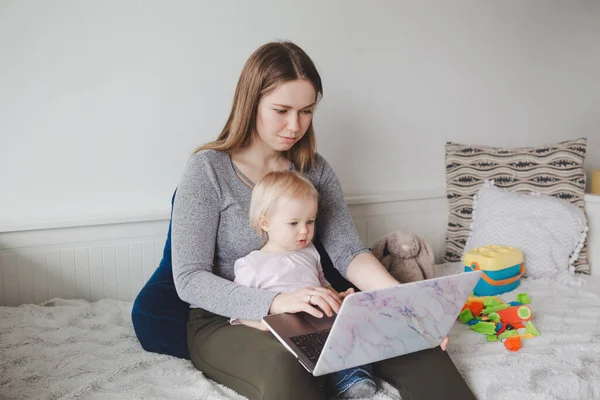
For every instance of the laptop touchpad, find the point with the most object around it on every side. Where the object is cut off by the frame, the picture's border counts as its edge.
(319, 324)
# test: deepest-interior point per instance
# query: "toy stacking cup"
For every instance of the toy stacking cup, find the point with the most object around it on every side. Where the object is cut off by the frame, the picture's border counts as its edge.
(502, 268)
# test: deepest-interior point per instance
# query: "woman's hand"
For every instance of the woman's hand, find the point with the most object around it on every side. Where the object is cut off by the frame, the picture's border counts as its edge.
(345, 294)
(444, 344)
(305, 300)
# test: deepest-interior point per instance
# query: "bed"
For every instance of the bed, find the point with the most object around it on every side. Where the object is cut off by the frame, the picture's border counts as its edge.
(71, 349)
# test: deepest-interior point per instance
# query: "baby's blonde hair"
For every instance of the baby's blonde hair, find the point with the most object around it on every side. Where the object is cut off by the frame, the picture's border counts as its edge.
(273, 187)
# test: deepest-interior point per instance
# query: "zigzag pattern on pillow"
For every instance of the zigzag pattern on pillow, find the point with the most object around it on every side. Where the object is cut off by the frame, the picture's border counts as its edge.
(554, 170)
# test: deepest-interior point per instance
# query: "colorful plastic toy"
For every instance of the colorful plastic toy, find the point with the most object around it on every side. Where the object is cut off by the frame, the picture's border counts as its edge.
(523, 298)
(513, 343)
(529, 328)
(465, 316)
(500, 321)
(502, 268)
(512, 315)
(486, 328)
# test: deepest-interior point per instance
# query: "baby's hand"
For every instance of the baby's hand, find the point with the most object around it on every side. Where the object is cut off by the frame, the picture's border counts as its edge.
(346, 293)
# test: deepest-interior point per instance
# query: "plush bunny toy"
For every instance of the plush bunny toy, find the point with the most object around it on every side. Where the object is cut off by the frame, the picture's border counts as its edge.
(406, 256)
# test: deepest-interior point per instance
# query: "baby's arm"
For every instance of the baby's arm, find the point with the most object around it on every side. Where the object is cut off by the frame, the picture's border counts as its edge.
(253, 324)
(245, 275)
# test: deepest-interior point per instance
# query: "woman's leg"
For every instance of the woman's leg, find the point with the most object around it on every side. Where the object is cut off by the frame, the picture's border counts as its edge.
(425, 375)
(249, 361)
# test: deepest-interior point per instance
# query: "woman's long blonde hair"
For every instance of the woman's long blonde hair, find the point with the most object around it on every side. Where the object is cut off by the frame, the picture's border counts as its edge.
(269, 66)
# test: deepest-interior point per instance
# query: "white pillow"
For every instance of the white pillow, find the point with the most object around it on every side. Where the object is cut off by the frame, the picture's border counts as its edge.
(550, 231)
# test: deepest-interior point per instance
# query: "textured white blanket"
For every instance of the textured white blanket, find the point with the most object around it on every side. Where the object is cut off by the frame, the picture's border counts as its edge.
(72, 349)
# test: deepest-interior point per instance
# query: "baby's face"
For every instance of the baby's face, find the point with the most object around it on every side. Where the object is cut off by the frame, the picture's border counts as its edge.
(291, 225)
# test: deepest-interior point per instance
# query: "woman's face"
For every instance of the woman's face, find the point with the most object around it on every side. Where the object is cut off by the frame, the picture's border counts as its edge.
(285, 114)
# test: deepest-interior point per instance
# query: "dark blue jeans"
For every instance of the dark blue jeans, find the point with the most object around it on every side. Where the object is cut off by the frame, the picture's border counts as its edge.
(339, 382)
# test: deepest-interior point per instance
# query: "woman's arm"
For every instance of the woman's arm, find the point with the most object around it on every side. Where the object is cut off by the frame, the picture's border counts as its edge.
(335, 227)
(338, 235)
(367, 273)
(195, 222)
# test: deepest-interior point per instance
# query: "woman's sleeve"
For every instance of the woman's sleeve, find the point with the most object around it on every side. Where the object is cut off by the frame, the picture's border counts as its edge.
(195, 220)
(335, 227)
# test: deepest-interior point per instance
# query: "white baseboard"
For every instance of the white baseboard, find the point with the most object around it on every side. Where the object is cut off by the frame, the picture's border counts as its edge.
(114, 258)
(86, 262)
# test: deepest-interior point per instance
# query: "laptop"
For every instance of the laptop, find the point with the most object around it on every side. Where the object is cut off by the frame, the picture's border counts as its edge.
(375, 325)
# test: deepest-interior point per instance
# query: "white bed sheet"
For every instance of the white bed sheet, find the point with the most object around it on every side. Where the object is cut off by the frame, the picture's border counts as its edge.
(562, 363)
(72, 349)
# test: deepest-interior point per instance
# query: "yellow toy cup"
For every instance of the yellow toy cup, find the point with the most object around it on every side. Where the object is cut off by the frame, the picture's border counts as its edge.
(502, 268)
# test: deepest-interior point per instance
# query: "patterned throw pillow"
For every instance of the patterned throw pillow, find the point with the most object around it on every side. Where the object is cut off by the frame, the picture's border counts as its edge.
(554, 170)
(548, 230)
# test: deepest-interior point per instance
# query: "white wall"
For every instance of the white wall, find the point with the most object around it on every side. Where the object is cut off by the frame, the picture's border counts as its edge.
(114, 261)
(101, 102)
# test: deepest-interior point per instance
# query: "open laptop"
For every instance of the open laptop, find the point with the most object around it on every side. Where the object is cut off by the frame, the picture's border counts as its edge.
(375, 325)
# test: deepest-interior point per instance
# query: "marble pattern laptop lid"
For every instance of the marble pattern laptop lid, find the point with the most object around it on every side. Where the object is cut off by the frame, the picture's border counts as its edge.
(377, 325)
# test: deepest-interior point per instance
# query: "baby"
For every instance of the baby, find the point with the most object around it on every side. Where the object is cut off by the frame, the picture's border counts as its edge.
(283, 210)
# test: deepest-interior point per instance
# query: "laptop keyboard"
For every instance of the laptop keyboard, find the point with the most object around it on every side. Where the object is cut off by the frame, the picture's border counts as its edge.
(311, 344)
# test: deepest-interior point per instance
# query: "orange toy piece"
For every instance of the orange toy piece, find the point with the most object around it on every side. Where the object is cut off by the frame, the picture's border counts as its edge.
(512, 343)
(475, 305)
(515, 314)
(476, 308)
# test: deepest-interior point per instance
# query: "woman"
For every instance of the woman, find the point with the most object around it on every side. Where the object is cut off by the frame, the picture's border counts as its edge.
(270, 129)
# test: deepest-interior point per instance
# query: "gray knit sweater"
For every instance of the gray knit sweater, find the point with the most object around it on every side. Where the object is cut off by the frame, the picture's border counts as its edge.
(211, 230)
